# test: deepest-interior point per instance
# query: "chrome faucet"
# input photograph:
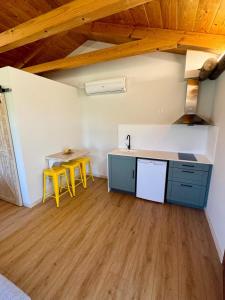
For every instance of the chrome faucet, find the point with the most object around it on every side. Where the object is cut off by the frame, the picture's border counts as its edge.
(128, 139)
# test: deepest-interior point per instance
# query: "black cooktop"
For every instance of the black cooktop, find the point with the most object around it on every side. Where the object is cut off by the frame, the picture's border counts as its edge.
(187, 156)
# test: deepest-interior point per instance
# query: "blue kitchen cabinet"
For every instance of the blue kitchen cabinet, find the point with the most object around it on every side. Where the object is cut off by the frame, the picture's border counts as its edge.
(188, 183)
(122, 173)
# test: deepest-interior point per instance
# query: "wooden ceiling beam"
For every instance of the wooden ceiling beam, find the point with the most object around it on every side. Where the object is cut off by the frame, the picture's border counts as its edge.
(145, 45)
(65, 17)
(125, 35)
(116, 33)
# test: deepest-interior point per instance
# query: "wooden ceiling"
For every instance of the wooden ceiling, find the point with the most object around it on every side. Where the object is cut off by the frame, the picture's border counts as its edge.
(204, 16)
(207, 16)
(15, 12)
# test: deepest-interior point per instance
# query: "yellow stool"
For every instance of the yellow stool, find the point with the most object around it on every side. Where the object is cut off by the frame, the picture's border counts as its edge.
(84, 162)
(55, 174)
(72, 166)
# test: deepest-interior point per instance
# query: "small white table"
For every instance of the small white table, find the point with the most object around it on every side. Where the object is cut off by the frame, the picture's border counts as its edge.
(62, 157)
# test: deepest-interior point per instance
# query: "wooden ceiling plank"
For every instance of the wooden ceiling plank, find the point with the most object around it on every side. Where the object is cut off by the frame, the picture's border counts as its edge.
(139, 15)
(169, 13)
(115, 18)
(15, 56)
(63, 18)
(26, 9)
(153, 10)
(218, 24)
(186, 14)
(29, 57)
(123, 17)
(124, 50)
(63, 44)
(127, 18)
(205, 15)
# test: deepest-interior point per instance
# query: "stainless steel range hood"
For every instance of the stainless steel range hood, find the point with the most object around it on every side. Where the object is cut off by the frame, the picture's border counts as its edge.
(191, 117)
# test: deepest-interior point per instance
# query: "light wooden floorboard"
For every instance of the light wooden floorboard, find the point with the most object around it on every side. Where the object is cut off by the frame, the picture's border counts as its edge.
(103, 245)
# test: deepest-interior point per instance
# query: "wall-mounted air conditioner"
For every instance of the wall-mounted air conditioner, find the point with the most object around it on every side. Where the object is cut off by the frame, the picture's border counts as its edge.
(107, 86)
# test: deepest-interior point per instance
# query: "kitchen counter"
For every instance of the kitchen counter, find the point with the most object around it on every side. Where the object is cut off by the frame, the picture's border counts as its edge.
(163, 155)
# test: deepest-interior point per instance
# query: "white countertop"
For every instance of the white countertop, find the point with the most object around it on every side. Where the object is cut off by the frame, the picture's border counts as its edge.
(164, 155)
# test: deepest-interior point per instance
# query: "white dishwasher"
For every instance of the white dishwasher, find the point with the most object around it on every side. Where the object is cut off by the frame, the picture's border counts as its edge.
(151, 179)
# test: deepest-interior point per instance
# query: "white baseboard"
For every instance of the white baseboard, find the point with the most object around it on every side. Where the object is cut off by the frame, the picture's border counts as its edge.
(219, 250)
(30, 205)
(100, 176)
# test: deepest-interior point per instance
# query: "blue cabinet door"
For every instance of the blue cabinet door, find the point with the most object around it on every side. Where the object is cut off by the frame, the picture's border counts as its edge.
(186, 194)
(122, 173)
(188, 183)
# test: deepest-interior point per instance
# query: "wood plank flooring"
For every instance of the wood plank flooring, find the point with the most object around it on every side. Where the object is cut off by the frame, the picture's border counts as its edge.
(103, 245)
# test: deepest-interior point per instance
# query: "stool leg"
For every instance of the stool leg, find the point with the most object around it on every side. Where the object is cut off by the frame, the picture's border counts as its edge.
(68, 186)
(72, 180)
(60, 184)
(44, 188)
(56, 189)
(90, 171)
(84, 174)
(81, 175)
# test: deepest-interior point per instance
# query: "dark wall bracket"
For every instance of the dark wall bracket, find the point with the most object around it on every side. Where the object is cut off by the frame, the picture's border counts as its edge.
(212, 68)
(4, 90)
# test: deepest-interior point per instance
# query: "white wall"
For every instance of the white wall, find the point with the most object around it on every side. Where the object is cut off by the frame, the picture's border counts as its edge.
(216, 203)
(177, 138)
(156, 95)
(213, 132)
(45, 117)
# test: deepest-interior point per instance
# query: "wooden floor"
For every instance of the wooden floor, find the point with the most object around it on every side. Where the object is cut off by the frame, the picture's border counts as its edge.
(104, 245)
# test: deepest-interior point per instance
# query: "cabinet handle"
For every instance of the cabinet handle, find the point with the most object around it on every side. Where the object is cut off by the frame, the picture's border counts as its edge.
(189, 166)
(186, 185)
(191, 172)
(133, 174)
